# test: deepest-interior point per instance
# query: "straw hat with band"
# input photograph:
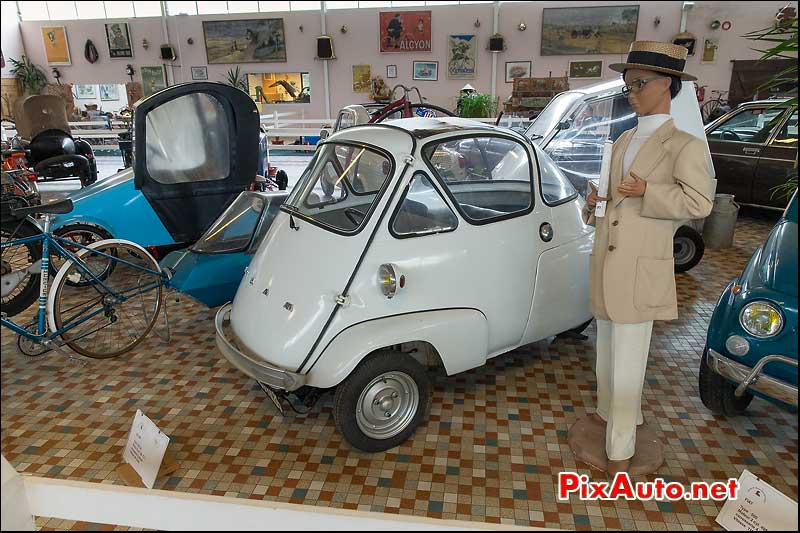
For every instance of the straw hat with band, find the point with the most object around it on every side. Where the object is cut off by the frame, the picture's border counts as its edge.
(666, 58)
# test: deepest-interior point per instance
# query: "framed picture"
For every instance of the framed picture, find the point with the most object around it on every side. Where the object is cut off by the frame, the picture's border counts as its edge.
(244, 41)
(361, 79)
(109, 91)
(589, 30)
(199, 73)
(585, 69)
(56, 46)
(710, 46)
(153, 79)
(461, 55)
(279, 87)
(426, 70)
(85, 91)
(517, 69)
(405, 31)
(119, 40)
(391, 71)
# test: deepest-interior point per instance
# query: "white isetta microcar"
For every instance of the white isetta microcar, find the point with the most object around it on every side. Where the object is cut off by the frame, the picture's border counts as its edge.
(417, 243)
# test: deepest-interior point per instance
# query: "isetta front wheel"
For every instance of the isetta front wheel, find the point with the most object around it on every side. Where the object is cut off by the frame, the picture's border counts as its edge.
(382, 402)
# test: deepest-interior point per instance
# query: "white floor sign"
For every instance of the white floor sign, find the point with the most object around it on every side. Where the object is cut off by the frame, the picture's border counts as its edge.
(759, 507)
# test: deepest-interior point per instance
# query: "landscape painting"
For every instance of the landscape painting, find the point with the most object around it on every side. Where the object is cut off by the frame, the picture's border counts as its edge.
(589, 30)
(244, 41)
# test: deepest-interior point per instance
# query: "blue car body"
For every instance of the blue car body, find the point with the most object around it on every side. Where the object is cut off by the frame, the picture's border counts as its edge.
(189, 194)
(770, 276)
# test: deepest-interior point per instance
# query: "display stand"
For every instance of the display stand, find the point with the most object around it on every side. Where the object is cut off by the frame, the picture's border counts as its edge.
(168, 466)
(587, 439)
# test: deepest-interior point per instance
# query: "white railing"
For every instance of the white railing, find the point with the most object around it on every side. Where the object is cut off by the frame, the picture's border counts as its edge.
(25, 497)
(277, 126)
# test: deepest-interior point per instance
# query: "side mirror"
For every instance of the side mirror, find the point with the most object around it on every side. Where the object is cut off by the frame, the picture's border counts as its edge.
(324, 134)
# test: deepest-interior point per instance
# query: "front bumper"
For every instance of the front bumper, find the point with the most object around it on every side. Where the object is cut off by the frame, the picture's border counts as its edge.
(752, 378)
(248, 362)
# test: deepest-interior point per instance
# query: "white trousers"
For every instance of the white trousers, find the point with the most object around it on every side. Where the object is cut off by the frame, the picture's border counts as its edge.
(621, 364)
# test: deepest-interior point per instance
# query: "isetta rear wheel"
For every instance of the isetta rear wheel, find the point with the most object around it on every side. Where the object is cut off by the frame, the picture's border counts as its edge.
(382, 402)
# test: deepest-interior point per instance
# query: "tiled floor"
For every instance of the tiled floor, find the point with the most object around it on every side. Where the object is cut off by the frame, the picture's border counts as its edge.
(491, 451)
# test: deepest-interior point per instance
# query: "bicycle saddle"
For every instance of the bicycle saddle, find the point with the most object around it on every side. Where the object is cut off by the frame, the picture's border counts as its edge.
(58, 207)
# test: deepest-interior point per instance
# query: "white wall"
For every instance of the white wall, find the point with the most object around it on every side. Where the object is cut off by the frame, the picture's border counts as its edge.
(360, 46)
(11, 35)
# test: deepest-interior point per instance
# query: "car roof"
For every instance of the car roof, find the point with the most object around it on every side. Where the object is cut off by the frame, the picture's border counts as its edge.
(422, 128)
(770, 101)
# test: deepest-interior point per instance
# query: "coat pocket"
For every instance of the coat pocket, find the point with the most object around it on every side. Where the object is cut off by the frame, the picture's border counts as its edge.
(655, 283)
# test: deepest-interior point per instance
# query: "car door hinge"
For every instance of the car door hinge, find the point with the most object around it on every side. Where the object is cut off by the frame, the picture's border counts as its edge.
(343, 300)
(409, 159)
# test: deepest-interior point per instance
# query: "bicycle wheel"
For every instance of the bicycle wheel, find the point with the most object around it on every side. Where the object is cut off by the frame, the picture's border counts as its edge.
(83, 234)
(708, 108)
(20, 288)
(107, 316)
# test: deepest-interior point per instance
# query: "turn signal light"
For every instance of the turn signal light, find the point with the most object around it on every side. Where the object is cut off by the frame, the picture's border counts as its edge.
(390, 280)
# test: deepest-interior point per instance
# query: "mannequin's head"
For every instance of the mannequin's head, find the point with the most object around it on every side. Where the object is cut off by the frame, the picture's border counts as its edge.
(652, 91)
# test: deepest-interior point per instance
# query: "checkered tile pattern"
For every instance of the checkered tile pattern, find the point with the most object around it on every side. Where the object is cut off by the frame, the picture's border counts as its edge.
(491, 450)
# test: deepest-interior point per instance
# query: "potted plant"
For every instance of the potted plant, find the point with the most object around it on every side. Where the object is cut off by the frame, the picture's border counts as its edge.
(477, 105)
(31, 78)
(237, 79)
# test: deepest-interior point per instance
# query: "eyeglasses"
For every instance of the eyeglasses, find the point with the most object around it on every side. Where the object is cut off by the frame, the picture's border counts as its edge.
(638, 85)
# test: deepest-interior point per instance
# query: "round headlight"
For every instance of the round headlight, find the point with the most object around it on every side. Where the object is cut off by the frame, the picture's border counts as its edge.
(761, 319)
(737, 345)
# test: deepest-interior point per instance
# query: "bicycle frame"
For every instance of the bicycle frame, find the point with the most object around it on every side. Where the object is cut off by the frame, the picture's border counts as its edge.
(48, 240)
(403, 102)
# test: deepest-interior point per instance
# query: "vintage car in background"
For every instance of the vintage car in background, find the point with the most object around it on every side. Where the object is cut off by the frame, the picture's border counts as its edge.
(754, 148)
(576, 123)
(211, 269)
(201, 141)
(385, 260)
(751, 348)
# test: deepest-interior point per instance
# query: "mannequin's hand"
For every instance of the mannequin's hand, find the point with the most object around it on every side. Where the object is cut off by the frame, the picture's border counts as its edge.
(633, 188)
(593, 197)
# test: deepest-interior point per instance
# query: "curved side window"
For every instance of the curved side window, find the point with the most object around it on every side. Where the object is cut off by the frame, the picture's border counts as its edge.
(422, 211)
(489, 178)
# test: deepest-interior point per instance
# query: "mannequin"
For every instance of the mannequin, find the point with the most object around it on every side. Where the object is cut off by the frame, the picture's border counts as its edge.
(659, 175)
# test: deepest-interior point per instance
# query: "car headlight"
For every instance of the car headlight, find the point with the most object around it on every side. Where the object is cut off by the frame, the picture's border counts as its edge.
(761, 319)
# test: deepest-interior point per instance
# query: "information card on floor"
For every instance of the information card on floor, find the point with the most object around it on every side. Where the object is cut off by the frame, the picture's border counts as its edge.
(759, 507)
(145, 448)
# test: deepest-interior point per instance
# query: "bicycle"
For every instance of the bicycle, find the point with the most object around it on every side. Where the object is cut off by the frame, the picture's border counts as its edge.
(104, 300)
(407, 109)
(715, 107)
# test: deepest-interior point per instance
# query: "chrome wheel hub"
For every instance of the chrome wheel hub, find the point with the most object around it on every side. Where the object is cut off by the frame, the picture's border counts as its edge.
(387, 405)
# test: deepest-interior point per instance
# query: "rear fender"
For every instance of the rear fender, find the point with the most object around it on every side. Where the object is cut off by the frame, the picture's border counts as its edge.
(460, 336)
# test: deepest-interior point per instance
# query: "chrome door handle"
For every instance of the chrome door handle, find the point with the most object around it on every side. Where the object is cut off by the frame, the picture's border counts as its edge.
(751, 151)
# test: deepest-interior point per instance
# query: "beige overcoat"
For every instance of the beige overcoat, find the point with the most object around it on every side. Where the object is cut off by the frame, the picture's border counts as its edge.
(632, 277)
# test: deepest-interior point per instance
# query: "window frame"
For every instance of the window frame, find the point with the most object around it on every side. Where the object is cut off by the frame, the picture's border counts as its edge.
(571, 198)
(291, 210)
(784, 122)
(425, 152)
(767, 140)
(402, 200)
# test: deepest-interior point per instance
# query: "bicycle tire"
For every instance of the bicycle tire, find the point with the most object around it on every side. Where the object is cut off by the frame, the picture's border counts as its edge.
(18, 301)
(97, 234)
(64, 294)
(708, 108)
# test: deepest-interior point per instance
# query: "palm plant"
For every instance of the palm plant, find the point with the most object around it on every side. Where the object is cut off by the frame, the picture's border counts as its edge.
(31, 77)
(783, 35)
(237, 79)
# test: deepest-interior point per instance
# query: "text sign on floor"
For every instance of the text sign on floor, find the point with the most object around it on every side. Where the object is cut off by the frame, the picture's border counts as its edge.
(145, 448)
(759, 507)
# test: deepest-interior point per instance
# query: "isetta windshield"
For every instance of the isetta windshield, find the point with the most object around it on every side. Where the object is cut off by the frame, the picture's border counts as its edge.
(340, 186)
